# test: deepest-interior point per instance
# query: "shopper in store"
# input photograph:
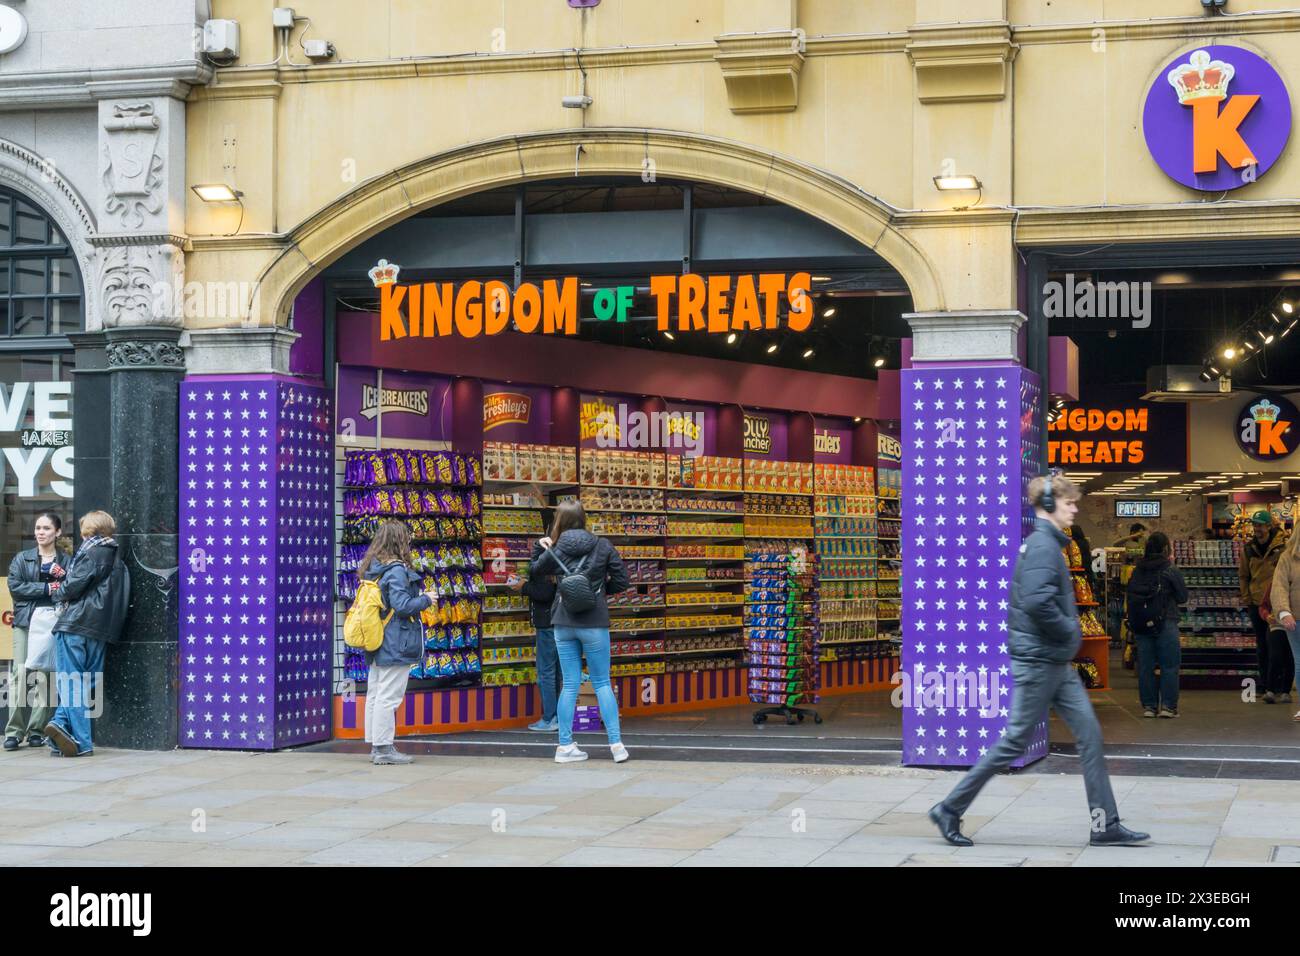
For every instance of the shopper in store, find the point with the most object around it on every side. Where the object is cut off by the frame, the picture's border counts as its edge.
(1154, 593)
(540, 591)
(92, 602)
(1284, 596)
(1135, 540)
(582, 630)
(1259, 559)
(388, 562)
(32, 574)
(1045, 636)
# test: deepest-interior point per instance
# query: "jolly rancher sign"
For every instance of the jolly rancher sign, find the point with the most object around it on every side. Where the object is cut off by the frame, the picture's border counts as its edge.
(683, 303)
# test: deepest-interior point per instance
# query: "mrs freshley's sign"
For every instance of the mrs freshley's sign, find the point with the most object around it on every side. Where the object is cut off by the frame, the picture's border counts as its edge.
(682, 303)
(1098, 436)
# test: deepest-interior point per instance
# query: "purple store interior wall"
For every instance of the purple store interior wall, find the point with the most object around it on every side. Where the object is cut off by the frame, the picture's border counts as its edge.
(968, 448)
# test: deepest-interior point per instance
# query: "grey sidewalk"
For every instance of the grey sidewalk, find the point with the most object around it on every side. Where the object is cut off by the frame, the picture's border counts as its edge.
(198, 808)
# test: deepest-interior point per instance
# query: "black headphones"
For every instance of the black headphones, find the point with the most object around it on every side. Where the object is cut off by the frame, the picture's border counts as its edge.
(1048, 500)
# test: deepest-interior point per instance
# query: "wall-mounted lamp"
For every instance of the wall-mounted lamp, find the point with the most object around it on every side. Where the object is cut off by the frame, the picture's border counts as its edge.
(217, 192)
(951, 183)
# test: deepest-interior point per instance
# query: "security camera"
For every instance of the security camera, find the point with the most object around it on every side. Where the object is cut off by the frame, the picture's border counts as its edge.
(1213, 6)
(576, 102)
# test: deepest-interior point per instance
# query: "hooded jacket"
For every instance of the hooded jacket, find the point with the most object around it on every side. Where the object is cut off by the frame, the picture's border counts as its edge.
(1172, 585)
(403, 634)
(1044, 620)
(603, 567)
(93, 598)
(27, 587)
(1285, 592)
(1258, 563)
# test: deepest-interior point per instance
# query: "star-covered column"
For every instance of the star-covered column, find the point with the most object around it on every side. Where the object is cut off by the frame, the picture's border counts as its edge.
(256, 555)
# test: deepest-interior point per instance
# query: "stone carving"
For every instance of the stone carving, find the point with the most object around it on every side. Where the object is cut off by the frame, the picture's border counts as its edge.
(138, 284)
(132, 173)
(140, 354)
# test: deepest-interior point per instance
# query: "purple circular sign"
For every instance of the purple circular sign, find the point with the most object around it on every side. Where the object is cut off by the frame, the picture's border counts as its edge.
(1216, 108)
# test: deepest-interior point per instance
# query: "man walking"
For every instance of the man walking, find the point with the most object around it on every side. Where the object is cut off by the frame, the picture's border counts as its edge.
(1258, 562)
(1044, 638)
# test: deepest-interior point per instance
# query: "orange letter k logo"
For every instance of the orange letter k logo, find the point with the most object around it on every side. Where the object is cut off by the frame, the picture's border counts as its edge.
(1215, 133)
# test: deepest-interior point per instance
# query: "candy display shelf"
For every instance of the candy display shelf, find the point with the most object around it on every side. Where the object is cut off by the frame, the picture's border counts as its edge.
(1095, 648)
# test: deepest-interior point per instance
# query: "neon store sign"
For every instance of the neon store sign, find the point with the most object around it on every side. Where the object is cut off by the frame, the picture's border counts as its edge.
(717, 304)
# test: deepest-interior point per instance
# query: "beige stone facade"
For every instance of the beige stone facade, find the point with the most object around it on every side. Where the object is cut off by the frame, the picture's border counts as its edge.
(845, 109)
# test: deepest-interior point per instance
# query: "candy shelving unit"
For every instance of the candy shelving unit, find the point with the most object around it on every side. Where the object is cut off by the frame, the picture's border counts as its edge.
(781, 635)
(1217, 638)
(1096, 641)
(846, 546)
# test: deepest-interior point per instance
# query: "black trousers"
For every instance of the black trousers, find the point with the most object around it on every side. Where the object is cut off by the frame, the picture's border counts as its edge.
(1276, 667)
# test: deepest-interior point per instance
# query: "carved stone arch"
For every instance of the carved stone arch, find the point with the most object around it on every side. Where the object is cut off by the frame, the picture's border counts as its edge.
(40, 181)
(388, 199)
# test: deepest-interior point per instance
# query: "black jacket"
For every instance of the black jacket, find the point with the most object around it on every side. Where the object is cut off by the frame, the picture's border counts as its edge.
(1044, 619)
(403, 634)
(540, 589)
(28, 587)
(94, 596)
(603, 566)
(1172, 584)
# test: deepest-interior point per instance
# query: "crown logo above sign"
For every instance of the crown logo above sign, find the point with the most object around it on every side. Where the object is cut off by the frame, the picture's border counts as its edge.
(385, 273)
(1264, 411)
(1201, 78)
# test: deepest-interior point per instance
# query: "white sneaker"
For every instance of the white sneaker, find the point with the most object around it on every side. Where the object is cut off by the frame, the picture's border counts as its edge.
(619, 751)
(569, 754)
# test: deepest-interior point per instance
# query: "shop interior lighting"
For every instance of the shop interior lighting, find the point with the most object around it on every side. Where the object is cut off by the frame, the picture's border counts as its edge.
(808, 353)
(669, 336)
(731, 338)
(951, 183)
(821, 278)
(828, 312)
(217, 192)
(1229, 353)
(772, 348)
(879, 362)
(1288, 308)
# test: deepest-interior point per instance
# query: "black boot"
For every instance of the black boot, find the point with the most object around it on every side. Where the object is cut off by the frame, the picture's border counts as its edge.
(1118, 835)
(949, 825)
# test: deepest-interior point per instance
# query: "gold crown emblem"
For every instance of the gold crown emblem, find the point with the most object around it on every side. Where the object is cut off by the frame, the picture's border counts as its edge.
(385, 273)
(1201, 78)
(1265, 411)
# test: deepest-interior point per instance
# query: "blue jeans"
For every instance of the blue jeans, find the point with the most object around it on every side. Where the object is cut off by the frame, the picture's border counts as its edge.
(79, 668)
(548, 671)
(572, 643)
(1160, 648)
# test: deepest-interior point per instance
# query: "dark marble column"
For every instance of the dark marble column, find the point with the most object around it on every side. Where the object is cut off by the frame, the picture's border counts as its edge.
(145, 367)
(92, 431)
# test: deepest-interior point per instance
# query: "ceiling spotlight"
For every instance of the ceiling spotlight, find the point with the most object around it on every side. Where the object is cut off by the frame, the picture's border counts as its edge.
(856, 419)
(669, 336)
(828, 313)
(1262, 337)
(1274, 319)
(1230, 353)
(879, 362)
(1287, 308)
(772, 348)
(731, 338)
(821, 278)
(1288, 329)
(808, 353)
(1249, 346)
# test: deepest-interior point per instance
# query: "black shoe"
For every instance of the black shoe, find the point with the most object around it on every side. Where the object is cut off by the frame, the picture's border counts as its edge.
(11, 743)
(1118, 835)
(949, 825)
(60, 738)
(35, 740)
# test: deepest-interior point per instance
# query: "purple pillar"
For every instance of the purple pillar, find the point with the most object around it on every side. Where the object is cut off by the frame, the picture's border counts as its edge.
(969, 447)
(256, 530)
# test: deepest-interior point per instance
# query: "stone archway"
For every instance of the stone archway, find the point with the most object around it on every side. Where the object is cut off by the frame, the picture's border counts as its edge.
(385, 200)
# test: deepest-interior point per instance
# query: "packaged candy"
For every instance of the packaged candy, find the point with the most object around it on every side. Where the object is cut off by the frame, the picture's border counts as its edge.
(445, 664)
(459, 471)
(473, 663)
(475, 470)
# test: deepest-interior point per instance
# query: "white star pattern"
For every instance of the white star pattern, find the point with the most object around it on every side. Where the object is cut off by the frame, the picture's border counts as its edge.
(964, 531)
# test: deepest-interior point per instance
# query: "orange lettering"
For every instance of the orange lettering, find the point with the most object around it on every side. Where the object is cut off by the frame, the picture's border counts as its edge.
(771, 285)
(744, 308)
(1069, 453)
(718, 287)
(469, 309)
(1078, 419)
(1115, 420)
(690, 303)
(390, 315)
(1270, 437)
(560, 306)
(1136, 453)
(1085, 453)
(1103, 456)
(1135, 419)
(1052, 451)
(661, 287)
(1215, 133)
(438, 305)
(496, 295)
(1096, 419)
(528, 307)
(801, 303)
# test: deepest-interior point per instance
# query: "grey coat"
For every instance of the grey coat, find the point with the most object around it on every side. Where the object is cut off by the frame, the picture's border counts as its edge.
(1044, 619)
(403, 634)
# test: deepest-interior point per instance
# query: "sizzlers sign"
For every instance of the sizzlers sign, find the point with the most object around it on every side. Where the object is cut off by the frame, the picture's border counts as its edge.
(716, 304)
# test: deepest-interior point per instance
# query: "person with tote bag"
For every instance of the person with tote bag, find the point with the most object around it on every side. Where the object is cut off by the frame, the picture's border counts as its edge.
(33, 574)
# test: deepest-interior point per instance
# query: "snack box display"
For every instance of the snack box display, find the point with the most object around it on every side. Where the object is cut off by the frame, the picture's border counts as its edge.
(512, 522)
(768, 504)
(501, 603)
(508, 628)
(705, 503)
(622, 499)
(706, 528)
(503, 461)
(701, 620)
(637, 648)
(643, 551)
(723, 552)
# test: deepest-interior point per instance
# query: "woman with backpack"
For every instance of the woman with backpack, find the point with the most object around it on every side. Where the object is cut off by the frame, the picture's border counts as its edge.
(589, 568)
(92, 601)
(1155, 591)
(387, 562)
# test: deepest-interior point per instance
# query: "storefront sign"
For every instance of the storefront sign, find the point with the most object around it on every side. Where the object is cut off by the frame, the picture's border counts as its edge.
(506, 408)
(824, 443)
(1217, 119)
(598, 419)
(31, 454)
(889, 450)
(686, 303)
(758, 435)
(414, 401)
(1116, 435)
(1265, 428)
(1137, 509)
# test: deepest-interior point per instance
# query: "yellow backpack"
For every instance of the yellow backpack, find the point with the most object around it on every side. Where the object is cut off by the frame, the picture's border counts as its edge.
(363, 627)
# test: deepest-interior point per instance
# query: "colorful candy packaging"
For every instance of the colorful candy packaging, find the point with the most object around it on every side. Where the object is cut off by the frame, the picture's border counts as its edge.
(446, 664)
(475, 469)
(473, 664)
(417, 669)
(456, 637)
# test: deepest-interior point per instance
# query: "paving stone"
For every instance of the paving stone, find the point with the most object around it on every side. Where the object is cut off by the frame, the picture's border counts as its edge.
(364, 852)
(622, 856)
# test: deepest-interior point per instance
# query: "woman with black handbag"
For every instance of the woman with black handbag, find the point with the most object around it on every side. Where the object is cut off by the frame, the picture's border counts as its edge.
(1155, 591)
(589, 568)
